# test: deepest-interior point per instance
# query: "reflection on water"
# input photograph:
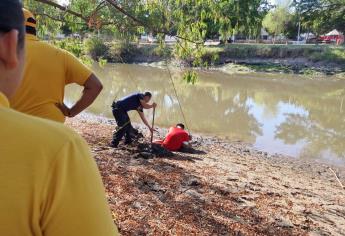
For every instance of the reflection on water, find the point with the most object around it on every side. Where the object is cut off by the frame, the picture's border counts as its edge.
(277, 113)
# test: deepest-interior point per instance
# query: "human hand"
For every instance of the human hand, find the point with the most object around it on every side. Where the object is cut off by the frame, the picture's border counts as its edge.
(154, 105)
(152, 130)
(64, 109)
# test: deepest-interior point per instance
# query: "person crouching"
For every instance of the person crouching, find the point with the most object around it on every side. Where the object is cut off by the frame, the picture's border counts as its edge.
(176, 138)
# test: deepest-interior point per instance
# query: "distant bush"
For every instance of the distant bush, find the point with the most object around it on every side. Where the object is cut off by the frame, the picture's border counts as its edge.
(325, 53)
(74, 46)
(96, 48)
(122, 52)
(128, 52)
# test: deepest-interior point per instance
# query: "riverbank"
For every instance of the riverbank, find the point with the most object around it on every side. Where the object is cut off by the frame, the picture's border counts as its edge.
(221, 188)
(311, 60)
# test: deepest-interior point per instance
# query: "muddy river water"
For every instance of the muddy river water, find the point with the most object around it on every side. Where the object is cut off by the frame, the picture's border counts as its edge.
(277, 113)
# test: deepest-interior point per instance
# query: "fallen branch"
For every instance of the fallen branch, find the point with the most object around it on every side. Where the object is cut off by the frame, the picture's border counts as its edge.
(336, 176)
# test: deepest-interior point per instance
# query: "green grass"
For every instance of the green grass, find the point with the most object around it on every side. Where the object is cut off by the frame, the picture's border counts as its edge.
(216, 55)
(314, 53)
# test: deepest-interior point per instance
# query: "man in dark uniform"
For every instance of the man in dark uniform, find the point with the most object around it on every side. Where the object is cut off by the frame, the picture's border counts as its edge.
(134, 102)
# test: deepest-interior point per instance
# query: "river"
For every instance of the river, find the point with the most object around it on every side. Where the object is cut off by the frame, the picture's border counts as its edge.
(277, 113)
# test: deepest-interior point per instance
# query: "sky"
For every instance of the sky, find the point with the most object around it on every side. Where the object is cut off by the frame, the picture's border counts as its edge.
(280, 2)
(63, 2)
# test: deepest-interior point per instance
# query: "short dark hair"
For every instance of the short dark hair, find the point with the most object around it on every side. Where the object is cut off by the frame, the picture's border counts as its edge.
(11, 17)
(148, 94)
(180, 125)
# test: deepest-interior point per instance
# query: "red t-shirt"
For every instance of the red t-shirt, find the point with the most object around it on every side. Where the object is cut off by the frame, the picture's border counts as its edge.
(175, 139)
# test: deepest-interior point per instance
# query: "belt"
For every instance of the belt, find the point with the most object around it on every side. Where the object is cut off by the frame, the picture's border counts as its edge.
(115, 105)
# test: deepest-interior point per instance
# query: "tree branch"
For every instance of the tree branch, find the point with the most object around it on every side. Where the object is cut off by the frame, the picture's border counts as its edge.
(63, 8)
(142, 23)
(55, 18)
(120, 9)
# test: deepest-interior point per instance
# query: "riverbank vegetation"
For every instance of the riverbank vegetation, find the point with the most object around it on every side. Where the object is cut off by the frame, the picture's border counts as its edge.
(191, 23)
(299, 59)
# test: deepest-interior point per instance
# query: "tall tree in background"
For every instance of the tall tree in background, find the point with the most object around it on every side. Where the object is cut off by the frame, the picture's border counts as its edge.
(189, 21)
(321, 16)
(276, 21)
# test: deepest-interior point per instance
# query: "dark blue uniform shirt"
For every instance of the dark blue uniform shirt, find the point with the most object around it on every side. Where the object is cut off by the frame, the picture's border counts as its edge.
(131, 102)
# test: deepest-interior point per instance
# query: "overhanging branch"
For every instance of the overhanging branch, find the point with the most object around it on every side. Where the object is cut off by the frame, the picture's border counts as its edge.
(63, 8)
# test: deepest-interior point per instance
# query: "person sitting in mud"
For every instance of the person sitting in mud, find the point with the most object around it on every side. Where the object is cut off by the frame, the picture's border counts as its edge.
(134, 102)
(176, 138)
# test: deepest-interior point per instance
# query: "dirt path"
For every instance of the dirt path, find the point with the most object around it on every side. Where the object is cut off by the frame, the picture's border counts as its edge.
(224, 189)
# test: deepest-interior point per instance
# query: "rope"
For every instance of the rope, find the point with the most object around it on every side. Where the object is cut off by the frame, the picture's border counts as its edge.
(177, 97)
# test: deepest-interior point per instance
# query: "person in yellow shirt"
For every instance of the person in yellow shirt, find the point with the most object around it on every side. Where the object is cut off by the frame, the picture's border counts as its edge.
(48, 70)
(49, 183)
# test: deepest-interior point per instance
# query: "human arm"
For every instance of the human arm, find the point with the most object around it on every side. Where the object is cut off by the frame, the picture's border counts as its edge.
(146, 105)
(74, 200)
(77, 73)
(143, 118)
(186, 142)
(92, 89)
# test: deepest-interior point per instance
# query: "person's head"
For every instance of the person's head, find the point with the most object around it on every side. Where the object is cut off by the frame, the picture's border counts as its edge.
(180, 125)
(12, 37)
(30, 22)
(147, 96)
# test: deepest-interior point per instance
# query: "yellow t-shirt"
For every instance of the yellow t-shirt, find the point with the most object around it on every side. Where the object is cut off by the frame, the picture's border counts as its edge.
(49, 183)
(47, 71)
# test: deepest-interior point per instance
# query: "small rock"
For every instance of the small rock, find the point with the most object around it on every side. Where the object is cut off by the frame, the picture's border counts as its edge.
(285, 223)
(193, 182)
(146, 155)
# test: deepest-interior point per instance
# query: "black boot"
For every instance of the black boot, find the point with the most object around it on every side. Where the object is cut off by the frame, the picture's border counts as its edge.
(114, 144)
(128, 141)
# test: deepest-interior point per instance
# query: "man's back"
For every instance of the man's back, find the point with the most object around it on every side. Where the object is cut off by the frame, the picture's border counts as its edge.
(131, 102)
(47, 71)
(49, 183)
(175, 138)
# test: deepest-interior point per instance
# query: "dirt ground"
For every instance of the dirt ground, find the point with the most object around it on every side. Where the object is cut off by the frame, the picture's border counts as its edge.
(221, 188)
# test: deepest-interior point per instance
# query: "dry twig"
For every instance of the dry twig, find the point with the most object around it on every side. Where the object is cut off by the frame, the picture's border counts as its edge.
(335, 174)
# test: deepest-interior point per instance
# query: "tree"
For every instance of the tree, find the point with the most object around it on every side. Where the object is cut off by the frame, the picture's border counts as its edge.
(276, 21)
(321, 16)
(189, 21)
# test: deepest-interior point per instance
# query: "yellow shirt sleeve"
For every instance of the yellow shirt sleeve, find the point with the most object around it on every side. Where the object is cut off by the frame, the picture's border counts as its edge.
(74, 196)
(76, 72)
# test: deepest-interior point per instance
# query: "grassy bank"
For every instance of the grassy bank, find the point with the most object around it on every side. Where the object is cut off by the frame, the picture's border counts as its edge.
(300, 59)
(315, 53)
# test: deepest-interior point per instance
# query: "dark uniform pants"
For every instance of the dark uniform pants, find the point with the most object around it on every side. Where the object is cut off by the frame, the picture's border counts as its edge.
(124, 125)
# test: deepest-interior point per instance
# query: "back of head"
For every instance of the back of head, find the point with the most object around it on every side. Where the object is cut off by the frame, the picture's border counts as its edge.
(180, 125)
(11, 17)
(30, 22)
(148, 94)
(12, 46)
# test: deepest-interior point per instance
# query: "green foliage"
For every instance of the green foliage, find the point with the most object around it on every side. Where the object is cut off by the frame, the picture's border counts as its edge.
(190, 77)
(321, 16)
(192, 21)
(102, 62)
(74, 46)
(96, 48)
(330, 54)
(276, 21)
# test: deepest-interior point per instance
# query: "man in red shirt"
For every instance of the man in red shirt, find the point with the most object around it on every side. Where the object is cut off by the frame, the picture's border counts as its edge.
(175, 139)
